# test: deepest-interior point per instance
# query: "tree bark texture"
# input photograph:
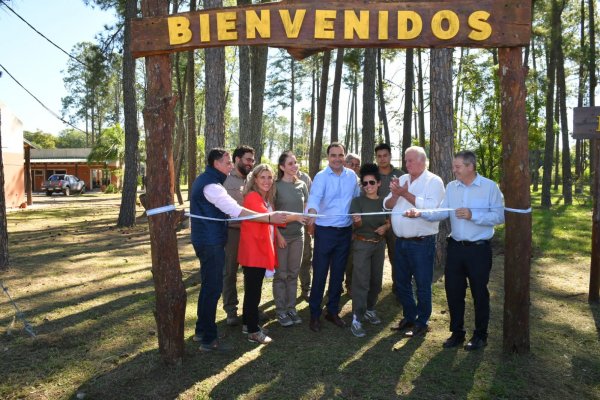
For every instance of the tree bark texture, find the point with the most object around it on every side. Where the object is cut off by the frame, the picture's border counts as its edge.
(4, 259)
(335, 94)
(594, 295)
(214, 76)
(132, 134)
(159, 120)
(381, 96)
(517, 244)
(258, 73)
(244, 90)
(442, 135)
(292, 102)
(421, 113)
(315, 161)
(367, 147)
(191, 115)
(551, 75)
(409, 79)
(567, 177)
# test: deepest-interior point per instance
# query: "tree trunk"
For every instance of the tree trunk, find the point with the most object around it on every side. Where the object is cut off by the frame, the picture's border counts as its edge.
(517, 245)
(132, 134)
(159, 120)
(567, 179)
(580, 94)
(421, 102)
(367, 150)
(441, 136)
(258, 63)
(244, 90)
(191, 115)
(551, 71)
(381, 92)
(408, 101)
(315, 160)
(292, 102)
(214, 73)
(594, 295)
(4, 259)
(335, 94)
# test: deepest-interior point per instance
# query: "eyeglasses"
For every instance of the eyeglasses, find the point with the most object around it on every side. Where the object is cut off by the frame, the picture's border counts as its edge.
(372, 183)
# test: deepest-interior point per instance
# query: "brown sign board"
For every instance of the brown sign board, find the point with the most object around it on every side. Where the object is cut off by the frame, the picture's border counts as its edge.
(586, 123)
(307, 26)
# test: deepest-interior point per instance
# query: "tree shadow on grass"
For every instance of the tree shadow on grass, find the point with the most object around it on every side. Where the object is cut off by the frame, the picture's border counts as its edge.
(303, 364)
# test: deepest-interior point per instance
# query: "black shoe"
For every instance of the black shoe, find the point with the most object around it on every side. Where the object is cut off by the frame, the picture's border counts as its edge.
(418, 330)
(475, 343)
(403, 324)
(315, 324)
(456, 339)
(335, 319)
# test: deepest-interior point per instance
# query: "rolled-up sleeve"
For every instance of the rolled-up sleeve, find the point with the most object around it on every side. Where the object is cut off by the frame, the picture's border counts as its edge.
(218, 196)
(316, 193)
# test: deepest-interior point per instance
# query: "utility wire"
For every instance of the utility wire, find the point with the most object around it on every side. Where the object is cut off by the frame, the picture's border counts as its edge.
(39, 101)
(42, 35)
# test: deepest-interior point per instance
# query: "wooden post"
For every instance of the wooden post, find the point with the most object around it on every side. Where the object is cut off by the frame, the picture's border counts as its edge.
(517, 244)
(159, 119)
(4, 259)
(594, 294)
(28, 186)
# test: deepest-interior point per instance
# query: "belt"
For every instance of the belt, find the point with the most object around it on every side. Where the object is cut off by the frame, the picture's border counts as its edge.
(337, 228)
(468, 243)
(365, 239)
(416, 238)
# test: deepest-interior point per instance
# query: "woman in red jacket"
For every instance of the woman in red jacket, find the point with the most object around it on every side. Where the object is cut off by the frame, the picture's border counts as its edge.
(256, 253)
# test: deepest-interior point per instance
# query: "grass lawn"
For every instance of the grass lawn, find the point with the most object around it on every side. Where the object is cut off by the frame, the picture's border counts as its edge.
(87, 289)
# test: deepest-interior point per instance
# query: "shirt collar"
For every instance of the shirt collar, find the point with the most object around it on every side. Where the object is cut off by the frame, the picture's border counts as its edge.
(476, 181)
(329, 171)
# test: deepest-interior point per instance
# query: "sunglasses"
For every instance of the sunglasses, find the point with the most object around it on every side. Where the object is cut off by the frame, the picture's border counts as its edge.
(365, 183)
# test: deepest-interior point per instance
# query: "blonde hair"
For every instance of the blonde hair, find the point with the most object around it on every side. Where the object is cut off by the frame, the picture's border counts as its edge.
(251, 185)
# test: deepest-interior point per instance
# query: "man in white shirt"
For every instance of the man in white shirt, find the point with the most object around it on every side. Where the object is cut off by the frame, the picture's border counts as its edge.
(415, 243)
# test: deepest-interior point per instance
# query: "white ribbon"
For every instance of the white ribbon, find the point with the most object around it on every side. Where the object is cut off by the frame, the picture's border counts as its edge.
(250, 217)
(160, 210)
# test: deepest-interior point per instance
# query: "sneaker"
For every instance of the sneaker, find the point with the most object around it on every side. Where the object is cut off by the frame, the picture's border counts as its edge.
(372, 317)
(284, 319)
(245, 329)
(295, 317)
(259, 337)
(232, 320)
(357, 329)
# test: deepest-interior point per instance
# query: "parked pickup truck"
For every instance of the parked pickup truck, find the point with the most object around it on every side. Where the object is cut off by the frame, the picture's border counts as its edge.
(62, 183)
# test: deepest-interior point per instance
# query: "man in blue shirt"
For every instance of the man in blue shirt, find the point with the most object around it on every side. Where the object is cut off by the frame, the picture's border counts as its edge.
(331, 193)
(478, 205)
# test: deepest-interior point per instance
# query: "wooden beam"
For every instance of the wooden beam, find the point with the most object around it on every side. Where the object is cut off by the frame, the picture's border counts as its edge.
(305, 27)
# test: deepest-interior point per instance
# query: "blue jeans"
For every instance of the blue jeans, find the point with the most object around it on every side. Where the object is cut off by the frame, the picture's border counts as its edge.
(414, 259)
(331, 249)
(212, 262)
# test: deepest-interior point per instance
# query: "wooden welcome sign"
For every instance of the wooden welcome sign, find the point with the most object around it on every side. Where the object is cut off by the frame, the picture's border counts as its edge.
(305, 27)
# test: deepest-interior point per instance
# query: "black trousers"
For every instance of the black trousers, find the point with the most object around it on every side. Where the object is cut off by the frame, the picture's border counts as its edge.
(471, 263)
(253, 280)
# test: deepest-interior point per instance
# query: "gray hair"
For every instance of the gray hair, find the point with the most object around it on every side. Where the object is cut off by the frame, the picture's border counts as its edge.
(351, 156)
(420, 151)
(468, 157)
